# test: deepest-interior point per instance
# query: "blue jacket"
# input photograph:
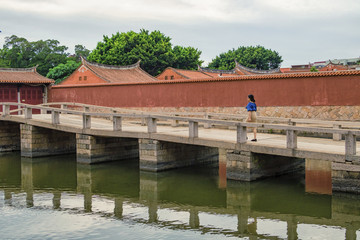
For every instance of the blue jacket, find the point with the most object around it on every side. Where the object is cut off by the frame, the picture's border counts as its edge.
(251, 106)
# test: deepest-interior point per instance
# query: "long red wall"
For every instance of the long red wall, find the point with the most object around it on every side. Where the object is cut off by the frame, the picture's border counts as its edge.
(312, 90)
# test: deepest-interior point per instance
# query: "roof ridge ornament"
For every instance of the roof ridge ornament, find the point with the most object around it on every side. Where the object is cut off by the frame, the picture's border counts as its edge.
(86, 62)
(31, 69)
(256, 71)
(209, 70)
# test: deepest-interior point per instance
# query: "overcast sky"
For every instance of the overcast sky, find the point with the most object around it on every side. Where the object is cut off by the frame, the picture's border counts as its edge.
(301, 31)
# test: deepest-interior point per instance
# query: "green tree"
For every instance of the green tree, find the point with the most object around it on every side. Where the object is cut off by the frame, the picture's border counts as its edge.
(62, 71)
(4, 63)
(186, 58)
(154, 49)
(18, 52)
(252, 57)
(80, 50)
(48, 54)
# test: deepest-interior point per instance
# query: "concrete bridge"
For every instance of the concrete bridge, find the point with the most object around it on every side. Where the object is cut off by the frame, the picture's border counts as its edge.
(173, 140)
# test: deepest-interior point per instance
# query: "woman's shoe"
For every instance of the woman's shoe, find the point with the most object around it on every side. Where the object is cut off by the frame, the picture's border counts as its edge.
(254, 140)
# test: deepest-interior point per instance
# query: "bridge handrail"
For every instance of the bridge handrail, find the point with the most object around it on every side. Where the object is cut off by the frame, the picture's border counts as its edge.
(187, 119)
(241, 127)
(141, 114)
(211, 115)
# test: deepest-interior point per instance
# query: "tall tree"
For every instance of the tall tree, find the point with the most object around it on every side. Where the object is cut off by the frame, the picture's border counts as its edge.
(18, 52)
(80, 50)
(48, 54)
(186, 58)
(154, 49)
(253, 57)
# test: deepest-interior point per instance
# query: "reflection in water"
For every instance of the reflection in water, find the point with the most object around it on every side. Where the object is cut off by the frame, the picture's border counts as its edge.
(195, 199)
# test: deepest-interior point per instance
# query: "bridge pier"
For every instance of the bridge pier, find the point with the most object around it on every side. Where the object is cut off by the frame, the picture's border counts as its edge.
(93, 149)
(40, 142)
(159, 155)
(9, 136)
(346, 177)
(248, 166)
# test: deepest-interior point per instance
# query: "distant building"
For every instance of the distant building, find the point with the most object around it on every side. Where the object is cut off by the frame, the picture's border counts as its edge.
(333, 67)
(23, 85)
(345, 61)
(329, 65)
(95, 73)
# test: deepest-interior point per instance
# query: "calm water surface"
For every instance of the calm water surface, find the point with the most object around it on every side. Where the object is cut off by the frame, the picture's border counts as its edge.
(54, 198)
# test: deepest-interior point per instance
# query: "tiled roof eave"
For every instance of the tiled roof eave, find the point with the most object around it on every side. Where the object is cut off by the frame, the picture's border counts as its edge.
(26, 81)
(95, 68)
(236, 78)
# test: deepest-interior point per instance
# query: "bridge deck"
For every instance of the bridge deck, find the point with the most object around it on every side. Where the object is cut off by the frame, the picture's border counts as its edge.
(215, 137)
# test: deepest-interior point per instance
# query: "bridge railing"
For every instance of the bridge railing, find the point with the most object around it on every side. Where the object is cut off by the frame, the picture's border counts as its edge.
(211, 115)
(290, 128)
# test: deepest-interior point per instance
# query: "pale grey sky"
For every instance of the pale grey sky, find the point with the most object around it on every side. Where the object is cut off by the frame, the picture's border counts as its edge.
(301, 31)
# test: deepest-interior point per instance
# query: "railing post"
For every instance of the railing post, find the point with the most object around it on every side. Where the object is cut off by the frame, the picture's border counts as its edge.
(55, 117)
(64, 107)
(291, 137)
(207, 125)
(151, 124)
(143, 121)
(337, 136)
(86, 121)
(350, 144)
(241, 132)
(28, 113)
(117, 123)
(193, 129)
(174, 122)
(6, 109)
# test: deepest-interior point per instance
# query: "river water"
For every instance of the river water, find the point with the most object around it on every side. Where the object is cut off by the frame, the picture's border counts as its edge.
(55, 198)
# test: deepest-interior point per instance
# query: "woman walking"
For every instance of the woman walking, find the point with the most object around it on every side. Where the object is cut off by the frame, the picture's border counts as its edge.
(251, 108)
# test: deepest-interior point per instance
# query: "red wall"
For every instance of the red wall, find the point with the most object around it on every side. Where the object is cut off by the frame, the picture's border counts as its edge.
(337, 90)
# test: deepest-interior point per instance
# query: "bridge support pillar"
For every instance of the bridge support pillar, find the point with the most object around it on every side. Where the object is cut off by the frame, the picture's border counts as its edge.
(39, 142)
(158, 155)
(93, 149)
(9, 136)
(346, 177)
(248, 166)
